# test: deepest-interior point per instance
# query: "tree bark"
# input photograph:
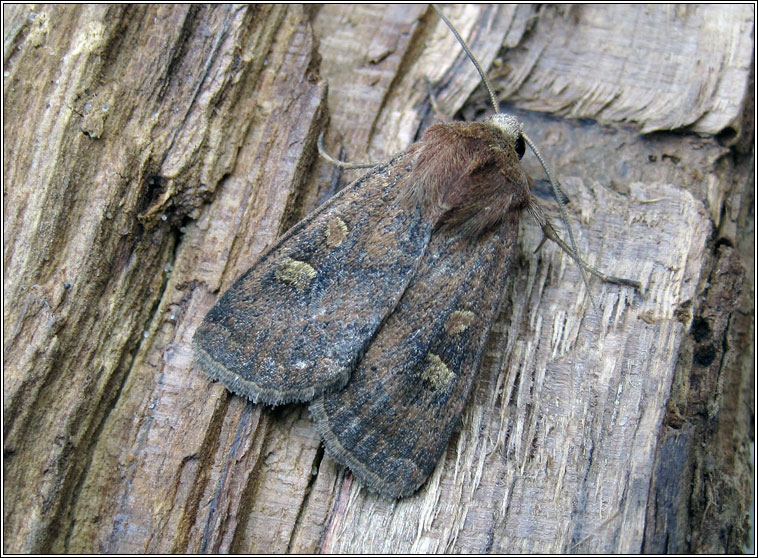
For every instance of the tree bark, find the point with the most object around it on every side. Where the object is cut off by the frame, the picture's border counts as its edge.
(152, 152)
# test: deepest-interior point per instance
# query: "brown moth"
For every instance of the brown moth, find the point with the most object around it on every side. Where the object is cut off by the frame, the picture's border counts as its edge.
(376, 307)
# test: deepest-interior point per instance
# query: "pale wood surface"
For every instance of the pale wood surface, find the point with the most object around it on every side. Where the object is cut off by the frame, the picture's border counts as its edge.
(664, 67)
(151, 152)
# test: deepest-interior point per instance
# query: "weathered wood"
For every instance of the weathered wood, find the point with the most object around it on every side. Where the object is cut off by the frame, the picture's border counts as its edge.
(151, 153)
(675, 66)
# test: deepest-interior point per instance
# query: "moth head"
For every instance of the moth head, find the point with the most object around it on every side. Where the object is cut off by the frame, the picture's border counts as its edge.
(511, 128)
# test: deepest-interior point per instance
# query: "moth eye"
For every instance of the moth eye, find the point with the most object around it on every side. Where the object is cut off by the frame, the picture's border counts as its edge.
(520, 147)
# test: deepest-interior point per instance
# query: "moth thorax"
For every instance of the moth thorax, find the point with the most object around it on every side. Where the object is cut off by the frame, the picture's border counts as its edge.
(507, 124)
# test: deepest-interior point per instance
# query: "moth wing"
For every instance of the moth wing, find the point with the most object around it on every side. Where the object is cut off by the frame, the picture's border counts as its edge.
(394, 418)
(296, 322)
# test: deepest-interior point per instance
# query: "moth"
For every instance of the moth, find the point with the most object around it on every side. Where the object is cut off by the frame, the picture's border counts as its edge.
(376, 307)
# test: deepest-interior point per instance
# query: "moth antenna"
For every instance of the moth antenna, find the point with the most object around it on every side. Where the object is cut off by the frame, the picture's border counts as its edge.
(471, 56)
(572, 251)
(337, 162)
(559, 195)
(550, 233)
(547, 227)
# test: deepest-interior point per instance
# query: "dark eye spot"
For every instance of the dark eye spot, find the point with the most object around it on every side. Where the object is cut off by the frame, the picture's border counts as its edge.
(520, 148)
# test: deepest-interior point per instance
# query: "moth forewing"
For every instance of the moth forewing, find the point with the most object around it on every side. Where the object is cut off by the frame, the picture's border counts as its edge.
(394, 418)
(296, 322)
(392, 421)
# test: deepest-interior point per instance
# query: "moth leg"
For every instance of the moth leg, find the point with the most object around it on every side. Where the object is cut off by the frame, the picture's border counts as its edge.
(541, 244)
(337, 162)
(550, 233)
(439, 114)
